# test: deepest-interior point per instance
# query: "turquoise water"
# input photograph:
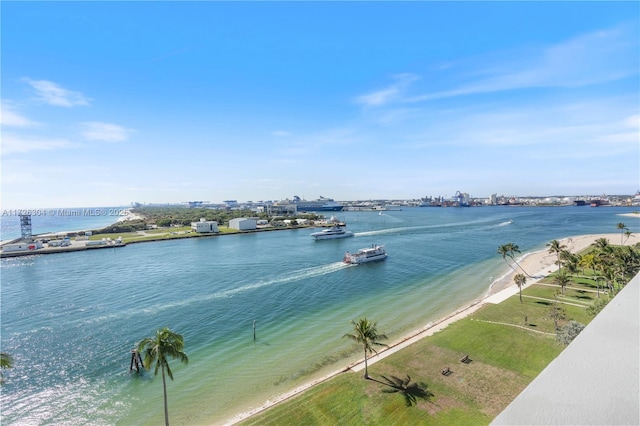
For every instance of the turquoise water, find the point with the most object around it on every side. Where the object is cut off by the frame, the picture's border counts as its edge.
(71, 319)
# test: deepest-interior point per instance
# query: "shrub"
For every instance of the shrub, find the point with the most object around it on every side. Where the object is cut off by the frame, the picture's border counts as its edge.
(569, 332)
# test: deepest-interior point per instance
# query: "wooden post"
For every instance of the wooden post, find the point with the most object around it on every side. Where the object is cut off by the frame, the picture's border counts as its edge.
(254, 330)
(136, 361)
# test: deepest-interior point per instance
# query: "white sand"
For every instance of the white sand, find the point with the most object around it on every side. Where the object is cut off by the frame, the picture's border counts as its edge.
(541, 262)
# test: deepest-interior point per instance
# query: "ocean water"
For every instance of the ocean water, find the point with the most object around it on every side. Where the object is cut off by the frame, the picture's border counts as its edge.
(44, 221)
(70, 320)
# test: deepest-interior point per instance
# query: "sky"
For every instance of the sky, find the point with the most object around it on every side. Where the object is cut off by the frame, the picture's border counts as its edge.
(108, 103)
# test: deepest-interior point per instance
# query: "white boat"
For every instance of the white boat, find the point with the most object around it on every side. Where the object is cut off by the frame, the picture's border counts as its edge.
(333, 232)
(371, 254)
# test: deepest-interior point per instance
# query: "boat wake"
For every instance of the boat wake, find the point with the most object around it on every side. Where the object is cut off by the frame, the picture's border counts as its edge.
(509, 222)
(292, 277)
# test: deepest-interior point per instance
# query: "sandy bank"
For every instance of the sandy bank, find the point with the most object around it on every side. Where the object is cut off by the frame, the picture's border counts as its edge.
(538, 264)
(632, 214)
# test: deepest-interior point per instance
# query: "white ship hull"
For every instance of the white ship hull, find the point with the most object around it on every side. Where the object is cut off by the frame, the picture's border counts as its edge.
(365, 255)
(332, 233)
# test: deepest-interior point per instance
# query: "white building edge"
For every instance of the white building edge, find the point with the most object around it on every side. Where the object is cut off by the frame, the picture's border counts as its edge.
(205, 226)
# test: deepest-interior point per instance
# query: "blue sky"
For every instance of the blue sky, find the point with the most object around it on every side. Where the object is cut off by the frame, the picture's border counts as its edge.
(105, 103)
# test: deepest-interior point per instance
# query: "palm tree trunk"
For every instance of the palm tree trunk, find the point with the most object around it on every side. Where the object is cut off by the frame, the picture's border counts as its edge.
(166, 408)
(522, 269)
(366, 370)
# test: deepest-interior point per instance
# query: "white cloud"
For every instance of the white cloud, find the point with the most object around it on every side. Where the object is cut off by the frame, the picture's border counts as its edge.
(52, 94)
(389, 94)
(12, 144)
(10, 118)
(281, 133)
(98, 131)
(633, 121)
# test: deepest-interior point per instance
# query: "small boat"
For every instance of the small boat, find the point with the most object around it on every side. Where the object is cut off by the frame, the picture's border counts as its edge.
(331, 233)
(371, 254)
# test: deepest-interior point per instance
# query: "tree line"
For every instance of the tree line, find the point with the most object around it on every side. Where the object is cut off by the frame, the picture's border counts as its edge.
(165, 216)
(609, 266)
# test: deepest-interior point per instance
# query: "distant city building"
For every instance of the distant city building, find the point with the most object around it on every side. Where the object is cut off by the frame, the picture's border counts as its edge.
(196, 204)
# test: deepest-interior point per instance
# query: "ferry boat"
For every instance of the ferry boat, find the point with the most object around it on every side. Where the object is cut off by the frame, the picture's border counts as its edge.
(371, 254)
(333, 232)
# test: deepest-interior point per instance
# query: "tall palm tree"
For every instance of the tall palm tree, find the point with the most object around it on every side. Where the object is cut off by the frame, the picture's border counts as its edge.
(366, 334)
(622, 228)
(156, 350)
(509, 250)
(504, 251)
(520, 281)
(570, 261)
(556, 247)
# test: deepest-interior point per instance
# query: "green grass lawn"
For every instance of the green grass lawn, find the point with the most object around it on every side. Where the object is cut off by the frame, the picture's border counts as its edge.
(505, 356)
(166, 234)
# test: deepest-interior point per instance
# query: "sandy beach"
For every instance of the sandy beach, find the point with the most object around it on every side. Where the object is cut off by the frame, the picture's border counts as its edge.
(538, 264)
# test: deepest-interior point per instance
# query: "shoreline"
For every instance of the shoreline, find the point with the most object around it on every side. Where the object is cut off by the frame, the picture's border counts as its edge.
(540, 261)
(56, 234)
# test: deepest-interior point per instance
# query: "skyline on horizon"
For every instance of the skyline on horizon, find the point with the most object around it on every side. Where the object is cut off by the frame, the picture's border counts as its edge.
(163, 102)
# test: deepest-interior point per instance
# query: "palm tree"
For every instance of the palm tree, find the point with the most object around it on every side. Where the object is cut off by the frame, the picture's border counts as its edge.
(556, 247)
(570, 261)
(520, 281)
(601, 244)
(622, 228)
(6, 361)
(509, 250)
(156, 350)
(366, 333)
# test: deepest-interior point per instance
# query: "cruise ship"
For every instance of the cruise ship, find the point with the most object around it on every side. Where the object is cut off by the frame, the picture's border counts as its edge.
(322, 204)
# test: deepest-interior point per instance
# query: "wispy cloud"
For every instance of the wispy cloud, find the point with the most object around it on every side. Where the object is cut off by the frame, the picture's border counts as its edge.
(12, 144)
(633, 121)
(106, 132)
(10, 118)
(591, 58)
(281, 133)
(53, 94)
(388, 94)
(598, 128)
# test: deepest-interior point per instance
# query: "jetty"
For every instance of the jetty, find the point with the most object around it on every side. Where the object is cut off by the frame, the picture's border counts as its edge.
(17, 248)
